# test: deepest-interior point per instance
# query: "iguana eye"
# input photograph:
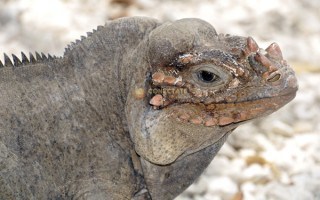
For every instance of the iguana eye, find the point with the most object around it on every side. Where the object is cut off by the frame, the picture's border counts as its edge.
(207, 76)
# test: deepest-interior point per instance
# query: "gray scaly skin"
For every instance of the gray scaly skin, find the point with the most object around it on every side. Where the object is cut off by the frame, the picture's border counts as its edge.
(136, 110)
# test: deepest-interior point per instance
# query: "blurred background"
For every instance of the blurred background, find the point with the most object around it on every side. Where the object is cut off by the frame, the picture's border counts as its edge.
(277, 158)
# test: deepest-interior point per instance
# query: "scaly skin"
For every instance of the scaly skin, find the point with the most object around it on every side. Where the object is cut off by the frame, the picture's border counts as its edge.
(137, 110)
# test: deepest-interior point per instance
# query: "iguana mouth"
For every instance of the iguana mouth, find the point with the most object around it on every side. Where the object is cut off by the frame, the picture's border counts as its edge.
(223, 114)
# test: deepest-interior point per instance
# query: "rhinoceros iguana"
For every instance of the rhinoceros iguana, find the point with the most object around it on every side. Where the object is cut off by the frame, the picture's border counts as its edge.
(135, 110)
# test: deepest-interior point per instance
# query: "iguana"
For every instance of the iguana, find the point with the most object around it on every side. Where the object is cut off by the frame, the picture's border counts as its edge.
(135, 110)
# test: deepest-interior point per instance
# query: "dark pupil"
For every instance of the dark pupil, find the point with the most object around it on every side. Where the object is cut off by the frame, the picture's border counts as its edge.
(207, 76)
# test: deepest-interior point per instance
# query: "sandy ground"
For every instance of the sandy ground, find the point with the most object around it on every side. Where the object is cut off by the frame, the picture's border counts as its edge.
(274, 158)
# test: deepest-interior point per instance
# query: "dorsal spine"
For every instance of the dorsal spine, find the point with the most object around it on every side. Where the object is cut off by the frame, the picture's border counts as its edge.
(16, 62)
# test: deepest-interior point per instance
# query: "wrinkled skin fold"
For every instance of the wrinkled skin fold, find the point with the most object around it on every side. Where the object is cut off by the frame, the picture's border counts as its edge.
(135, 110)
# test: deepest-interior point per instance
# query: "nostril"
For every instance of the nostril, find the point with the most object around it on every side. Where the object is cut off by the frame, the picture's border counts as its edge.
(274, 77)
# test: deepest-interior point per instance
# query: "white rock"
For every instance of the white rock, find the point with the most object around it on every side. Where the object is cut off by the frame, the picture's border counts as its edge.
(244, 153)
(257, 172)
(281, 128)
(209, 196)
(303, 127)
(283, 192)
(264, 143)
(252, 192)
(223, 186)
(248, 187)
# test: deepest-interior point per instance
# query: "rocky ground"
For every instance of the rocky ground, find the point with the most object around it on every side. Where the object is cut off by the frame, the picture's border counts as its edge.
(276, 158)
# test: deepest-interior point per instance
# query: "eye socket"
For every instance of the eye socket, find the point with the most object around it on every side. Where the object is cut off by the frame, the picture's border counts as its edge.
(207, 76)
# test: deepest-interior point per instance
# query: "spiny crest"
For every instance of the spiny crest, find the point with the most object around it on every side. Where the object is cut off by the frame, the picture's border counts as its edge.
(16, 62)
(72, 45)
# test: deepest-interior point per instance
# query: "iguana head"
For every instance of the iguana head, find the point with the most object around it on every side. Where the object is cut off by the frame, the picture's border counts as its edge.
(203, 85)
